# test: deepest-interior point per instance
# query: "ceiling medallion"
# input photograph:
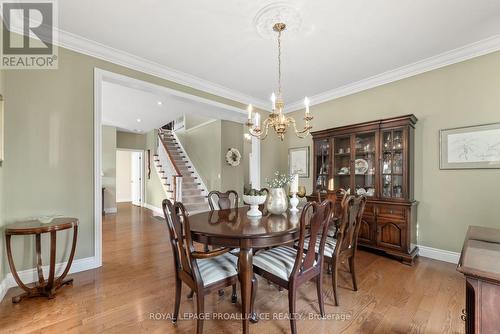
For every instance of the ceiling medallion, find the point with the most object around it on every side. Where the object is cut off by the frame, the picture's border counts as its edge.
(277, 12)
(277, 120)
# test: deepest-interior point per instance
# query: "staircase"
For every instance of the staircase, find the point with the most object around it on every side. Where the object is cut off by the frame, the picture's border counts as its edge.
(179, 178)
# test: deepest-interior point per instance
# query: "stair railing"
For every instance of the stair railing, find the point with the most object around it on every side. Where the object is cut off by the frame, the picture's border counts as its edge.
(172, 173)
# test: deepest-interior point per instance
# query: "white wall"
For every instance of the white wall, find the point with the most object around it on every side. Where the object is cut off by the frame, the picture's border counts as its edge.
(123, 176)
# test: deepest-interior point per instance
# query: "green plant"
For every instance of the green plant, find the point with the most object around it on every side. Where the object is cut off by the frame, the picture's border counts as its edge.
(279, 180)
(254, 192)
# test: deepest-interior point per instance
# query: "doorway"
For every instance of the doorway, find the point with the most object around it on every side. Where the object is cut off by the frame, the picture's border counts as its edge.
(129, 177)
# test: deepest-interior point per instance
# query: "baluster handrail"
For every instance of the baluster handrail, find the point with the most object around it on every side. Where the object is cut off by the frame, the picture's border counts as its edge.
(174, 174)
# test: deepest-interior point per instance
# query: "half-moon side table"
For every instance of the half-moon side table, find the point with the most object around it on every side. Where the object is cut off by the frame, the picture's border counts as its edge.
(43, 287)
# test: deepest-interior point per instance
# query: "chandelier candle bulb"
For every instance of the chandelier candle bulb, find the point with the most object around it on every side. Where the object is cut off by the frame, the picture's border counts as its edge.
(257, 120)
(250, 111)
(306, 102)
(273, 101)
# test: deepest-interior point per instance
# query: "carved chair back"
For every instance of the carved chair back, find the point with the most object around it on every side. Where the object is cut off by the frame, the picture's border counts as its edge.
(222, 200)
(348, 230)
(314, 221)
(180, 239)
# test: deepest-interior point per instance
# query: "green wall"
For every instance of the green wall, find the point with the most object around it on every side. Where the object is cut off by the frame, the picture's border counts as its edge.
(206, 146)
(48, 167)
(233, 178)
(108, 156)
(463, 94)
(3, 264)
(203, 146)
(131, 141)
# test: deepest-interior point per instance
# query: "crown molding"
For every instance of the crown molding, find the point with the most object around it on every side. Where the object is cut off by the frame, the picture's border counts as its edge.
(473, 50)
(94, 49)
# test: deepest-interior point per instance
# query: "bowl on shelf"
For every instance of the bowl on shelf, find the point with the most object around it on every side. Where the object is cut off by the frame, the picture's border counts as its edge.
(254, 201)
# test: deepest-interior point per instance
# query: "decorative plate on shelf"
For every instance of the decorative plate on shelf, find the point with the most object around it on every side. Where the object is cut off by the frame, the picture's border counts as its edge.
(360, 166)
(233, 157)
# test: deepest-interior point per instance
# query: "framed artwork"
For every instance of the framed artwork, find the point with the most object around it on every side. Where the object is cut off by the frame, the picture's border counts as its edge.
(298, 161)
(470, 147)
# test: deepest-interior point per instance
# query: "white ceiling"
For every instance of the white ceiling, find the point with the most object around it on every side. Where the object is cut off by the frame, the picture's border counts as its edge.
(123, 104)
(341, 42)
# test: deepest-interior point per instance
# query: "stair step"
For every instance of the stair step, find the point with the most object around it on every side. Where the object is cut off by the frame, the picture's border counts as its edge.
(191, 192)
(196, 207)
(189, 186)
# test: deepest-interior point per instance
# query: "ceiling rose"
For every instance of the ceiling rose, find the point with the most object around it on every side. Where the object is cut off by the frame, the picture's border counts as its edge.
(277, 12)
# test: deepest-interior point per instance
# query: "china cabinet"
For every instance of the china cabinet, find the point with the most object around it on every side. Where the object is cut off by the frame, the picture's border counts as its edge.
(375, 159)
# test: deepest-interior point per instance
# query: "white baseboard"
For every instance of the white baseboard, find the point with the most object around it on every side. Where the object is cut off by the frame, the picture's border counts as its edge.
(110, 210)
(30, 275)
(439, 254)
(153, 208)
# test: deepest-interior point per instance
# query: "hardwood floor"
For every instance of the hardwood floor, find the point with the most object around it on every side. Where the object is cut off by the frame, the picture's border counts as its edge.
(136, 285)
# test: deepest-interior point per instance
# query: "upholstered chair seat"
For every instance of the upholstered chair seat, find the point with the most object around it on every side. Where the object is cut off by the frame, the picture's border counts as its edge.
(217, 268)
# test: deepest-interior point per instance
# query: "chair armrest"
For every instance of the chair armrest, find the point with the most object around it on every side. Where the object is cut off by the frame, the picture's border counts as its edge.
(212, 253)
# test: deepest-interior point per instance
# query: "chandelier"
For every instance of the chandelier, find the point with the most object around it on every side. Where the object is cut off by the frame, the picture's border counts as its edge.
(277, 120)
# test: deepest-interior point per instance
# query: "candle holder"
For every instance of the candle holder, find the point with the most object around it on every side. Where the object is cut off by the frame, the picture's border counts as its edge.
(294, 201)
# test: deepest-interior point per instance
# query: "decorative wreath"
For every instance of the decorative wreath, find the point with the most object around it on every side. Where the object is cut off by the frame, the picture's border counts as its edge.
(233, 157)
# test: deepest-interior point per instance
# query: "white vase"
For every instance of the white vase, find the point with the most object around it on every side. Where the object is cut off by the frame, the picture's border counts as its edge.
(277, 201)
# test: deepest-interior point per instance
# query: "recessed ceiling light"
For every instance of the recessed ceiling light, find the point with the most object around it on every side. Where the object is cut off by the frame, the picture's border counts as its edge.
(139, 120)
(159, 103)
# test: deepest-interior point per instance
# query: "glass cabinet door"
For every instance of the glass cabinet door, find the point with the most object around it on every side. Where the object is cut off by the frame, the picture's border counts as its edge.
(342, 162)
(365, 164)
(322, 163)
(392, 164)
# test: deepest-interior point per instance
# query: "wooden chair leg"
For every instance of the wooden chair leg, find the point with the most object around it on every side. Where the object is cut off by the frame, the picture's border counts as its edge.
(255, 284)
(200, 309)
(334, 284)
(291, 305)
(234, 296)
(352, 269)
(319, 288)
(178, 289)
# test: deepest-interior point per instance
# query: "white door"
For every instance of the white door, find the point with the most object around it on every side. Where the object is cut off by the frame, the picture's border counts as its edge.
(136, 181)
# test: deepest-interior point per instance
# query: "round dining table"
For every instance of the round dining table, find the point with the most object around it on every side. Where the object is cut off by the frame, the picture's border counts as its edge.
(233, 228)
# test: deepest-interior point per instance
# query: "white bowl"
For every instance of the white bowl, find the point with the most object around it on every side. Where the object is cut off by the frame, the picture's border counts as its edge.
(254, 202)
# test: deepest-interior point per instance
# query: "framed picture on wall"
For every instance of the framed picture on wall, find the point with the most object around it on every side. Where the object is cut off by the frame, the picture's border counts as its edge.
(298, 161)
(470, 147)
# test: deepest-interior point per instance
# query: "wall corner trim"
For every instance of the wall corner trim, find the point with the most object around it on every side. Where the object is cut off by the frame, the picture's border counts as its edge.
(30, 275)
(438, 254)
(153, 208)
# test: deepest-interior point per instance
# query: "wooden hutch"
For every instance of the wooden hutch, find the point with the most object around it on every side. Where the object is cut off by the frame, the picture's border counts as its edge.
(376, 159)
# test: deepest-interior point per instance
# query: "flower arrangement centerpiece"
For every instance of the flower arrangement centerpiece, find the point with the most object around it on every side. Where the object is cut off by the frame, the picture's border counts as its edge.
(277, 200)
(254, 198)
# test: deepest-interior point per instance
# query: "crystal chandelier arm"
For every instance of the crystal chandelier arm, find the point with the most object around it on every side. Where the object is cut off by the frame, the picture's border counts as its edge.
(257, 132)
(302, 133)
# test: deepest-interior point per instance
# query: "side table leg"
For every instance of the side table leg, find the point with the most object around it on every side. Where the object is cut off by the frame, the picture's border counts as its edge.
(28, 291)
(49, 286)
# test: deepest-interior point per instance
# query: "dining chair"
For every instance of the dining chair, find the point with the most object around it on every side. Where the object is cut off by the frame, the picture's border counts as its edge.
(290, 267)
(344, 245)
(203, 272)
(223, 200)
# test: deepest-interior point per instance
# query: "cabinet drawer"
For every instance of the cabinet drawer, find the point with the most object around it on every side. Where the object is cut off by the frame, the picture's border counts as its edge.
(392, 212)
(369, 210)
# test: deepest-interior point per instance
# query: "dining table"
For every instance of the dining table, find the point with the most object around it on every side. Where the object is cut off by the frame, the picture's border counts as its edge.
(232, 228)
